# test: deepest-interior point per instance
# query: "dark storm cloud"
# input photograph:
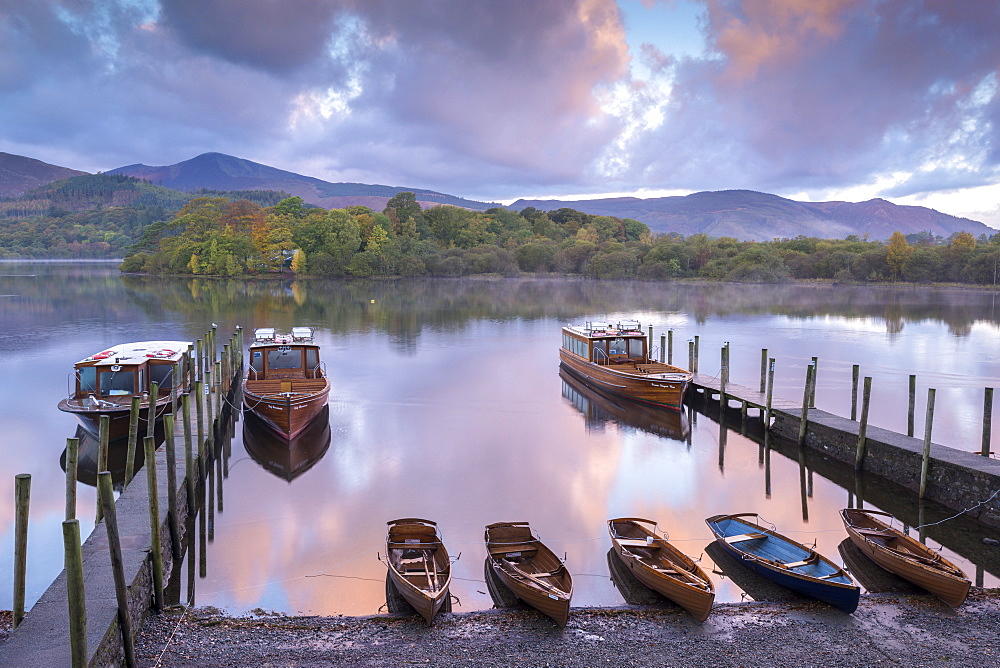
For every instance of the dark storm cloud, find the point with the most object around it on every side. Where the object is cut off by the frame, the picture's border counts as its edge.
(274, 35)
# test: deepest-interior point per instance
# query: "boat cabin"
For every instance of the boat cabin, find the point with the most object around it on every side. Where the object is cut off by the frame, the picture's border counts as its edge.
(275, 356)
(602, 343)
(129, 369)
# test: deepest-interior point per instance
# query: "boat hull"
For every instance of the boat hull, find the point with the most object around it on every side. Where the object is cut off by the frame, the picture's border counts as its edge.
(690, 587)
(843, 595)
(530, 570)
(663, 390)
(287, 413)
(419, 566)
(119, 416)
(939, 577)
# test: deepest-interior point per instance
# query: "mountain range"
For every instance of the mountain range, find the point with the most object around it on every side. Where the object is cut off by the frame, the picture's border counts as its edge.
(742, 214)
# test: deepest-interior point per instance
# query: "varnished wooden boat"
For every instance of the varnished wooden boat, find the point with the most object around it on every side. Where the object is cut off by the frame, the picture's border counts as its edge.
(661, 566)
(286, 383)
(616, 360)
(106, 382)
(905, 556)
(418, 564)
(784, 561)
(530, 569)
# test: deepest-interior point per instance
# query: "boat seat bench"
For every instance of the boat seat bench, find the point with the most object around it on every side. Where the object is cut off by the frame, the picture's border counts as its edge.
(739, 538)
(805, 562)
(635, 542)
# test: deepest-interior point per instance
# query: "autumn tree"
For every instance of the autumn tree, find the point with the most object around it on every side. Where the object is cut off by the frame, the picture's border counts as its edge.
(897, 253)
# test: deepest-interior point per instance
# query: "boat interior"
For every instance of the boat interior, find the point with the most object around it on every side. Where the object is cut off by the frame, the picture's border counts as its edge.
(750, 539)
(412, 551)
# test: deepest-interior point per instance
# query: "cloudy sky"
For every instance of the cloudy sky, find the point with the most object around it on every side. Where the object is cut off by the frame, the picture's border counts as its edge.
(500, 99)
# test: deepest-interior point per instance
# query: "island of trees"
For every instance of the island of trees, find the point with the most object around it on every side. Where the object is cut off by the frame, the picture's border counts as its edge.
(216, 236)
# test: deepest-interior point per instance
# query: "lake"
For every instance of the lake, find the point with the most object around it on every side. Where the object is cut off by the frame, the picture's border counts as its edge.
(448, 404)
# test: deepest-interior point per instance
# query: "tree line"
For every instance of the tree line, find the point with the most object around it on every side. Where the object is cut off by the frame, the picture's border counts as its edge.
(216, 236)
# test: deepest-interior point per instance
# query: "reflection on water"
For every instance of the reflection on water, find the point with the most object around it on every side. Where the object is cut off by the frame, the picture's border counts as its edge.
(600, 409)
(754, 585)
(89, 452)
(633, 591)
(287, 459)
(447, 403)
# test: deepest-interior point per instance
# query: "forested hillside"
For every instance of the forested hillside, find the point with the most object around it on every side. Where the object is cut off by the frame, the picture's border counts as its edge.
(94, 215)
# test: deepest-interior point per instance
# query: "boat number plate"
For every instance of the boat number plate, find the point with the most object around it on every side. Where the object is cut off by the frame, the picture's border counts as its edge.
(553, 597)
(412, 540)
(512, 555)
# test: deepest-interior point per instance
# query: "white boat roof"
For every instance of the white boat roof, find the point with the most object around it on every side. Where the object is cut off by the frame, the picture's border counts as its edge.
(141, 351)
(604, 329)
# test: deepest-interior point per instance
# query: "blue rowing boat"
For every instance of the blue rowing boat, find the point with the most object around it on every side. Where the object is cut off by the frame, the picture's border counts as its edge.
(784, 561)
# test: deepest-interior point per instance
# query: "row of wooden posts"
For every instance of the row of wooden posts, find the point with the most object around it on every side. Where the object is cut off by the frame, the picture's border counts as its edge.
(809, 398)
(212, 378)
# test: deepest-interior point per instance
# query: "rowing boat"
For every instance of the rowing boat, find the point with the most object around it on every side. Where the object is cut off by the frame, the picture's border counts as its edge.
(905, 556)
(418, 564)
(529, 569)
(784, 561)
(661, 566)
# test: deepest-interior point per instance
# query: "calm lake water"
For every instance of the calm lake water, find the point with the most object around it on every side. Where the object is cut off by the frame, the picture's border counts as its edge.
(448, 404)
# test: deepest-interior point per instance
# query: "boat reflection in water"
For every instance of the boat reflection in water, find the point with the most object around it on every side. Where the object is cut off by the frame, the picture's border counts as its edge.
(90, 445)
(599, 408)
(284, 457)
(755, 586)
(633, 591)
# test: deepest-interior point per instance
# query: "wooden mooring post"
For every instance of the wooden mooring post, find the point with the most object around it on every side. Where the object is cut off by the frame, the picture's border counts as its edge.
(154, 391)
(670, 346)
(103, 431)
(696, 351)
(909, 414)
(156, 554)
(188, 450)
(987, 420)
(724, 377)
(812, 390)
(133, 436)
(770, 393)
(763, 369)
(663, 348)
(72, 460)
(22, 500)
(925, 462)
(807, 394)
(173, 521)
(855, 373)
(859, 458)
(117, 566)
(73, 563)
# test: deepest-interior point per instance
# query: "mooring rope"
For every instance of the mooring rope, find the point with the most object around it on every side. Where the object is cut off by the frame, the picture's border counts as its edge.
(959, 514)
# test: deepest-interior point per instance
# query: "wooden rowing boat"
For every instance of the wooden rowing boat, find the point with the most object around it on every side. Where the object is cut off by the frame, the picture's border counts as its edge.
(661, 566)
(905, 556)
(418, 564)
(785, 561)
(529, 569)
(105, 384)
(286, 384)
(616, 360)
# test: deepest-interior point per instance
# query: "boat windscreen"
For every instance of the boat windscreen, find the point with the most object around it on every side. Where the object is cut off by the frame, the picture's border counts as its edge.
(162, 375)
(282, 358)
(88, 379)
(116, 383)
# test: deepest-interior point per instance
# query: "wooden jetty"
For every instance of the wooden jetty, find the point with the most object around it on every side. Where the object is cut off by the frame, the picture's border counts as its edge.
(956, 479)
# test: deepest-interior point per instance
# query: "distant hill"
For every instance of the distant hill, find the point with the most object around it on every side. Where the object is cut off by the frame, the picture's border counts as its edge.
(18, 174)
(748, 215)
(218, 171)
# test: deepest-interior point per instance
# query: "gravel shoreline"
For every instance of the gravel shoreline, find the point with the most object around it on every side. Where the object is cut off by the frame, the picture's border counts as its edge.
(886, 629)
